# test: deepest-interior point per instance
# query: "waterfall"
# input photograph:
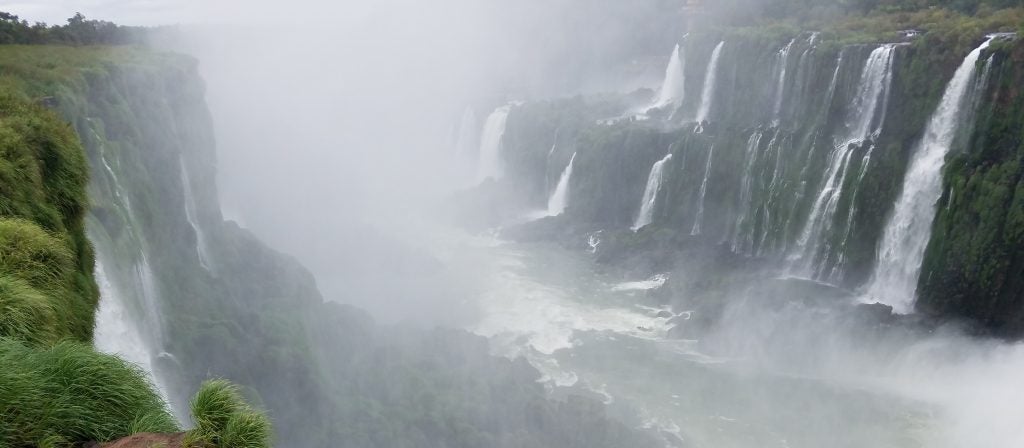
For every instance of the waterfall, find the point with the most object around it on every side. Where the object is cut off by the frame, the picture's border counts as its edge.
(782, 60)
(707, 96)
(560, 197)
(699, 220)
(864, 120)
(646, 214)
(906, 235)
(490, 165)
(746, 196)
(671, 93)
(116, 330)
(191, 215)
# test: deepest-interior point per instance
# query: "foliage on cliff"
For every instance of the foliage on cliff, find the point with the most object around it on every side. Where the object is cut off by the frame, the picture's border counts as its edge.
(974, 265)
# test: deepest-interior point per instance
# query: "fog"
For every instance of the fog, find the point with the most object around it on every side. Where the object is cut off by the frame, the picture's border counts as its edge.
(338, 128)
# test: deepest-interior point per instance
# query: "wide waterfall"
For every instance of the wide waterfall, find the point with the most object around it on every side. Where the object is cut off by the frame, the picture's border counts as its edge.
(192, 216)
(490, 165)
(906, 236)
(646, 214)
(699, 220)
(707, 97)
(671, 93)
(864, 120)
(560, 197)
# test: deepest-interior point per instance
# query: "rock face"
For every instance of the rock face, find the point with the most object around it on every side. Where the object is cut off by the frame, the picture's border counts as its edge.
(803, 172)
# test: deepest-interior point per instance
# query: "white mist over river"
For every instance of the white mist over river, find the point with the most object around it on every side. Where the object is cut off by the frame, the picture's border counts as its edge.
(797, 375)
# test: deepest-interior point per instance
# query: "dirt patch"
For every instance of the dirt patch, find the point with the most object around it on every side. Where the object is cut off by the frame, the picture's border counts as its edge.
(145, 440)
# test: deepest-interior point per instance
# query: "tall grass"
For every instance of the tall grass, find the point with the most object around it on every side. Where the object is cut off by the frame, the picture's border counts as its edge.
(71, 394)
(223, 419)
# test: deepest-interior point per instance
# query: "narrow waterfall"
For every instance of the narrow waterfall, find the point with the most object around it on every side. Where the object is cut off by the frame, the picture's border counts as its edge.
(906, 236)
(191, 215)
(782, 61)
(742, 239)
(116, 329)
(129, 321)
(699, 220)
(560, 197)
(646, 214)
(490, 165)
(707, 96)
(864, 120)
(672, 88)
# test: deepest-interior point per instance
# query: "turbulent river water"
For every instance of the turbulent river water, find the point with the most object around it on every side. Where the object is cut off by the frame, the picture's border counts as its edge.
(795, 375)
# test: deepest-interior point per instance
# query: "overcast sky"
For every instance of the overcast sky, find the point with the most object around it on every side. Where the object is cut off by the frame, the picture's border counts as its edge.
(165, 12)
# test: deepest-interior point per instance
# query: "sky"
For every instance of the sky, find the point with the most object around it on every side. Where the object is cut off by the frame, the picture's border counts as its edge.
(167, 12)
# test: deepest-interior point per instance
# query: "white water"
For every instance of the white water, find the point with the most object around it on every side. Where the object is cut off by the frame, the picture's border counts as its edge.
(191, 215)
(116, 329)
(782, 61)
(647, 202)
(865, 118)
(699, 220)
(560, 197)
(654, 282)
(672, 88)
(707, 96)
(768, 376)
(490, 165)
(906, 236)
(743, 239)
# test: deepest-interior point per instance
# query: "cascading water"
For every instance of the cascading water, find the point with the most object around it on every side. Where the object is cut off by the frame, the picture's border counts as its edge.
(116, 332)
(699, 220)
(742, 239)
(672, 88)
(560, 197)
(707, 96)
(865, 117)
(646, 214)
(782, 61)
(490, 165)
(191, 215)
(906, 236)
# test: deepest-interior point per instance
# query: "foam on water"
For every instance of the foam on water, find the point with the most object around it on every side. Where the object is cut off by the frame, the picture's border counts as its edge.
(654, 282)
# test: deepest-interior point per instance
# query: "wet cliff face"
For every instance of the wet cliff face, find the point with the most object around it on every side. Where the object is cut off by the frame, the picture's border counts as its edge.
(974, 265)
(804, 153)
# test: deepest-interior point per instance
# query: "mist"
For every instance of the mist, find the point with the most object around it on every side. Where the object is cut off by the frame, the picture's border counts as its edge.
(575, 223)
(337, 144)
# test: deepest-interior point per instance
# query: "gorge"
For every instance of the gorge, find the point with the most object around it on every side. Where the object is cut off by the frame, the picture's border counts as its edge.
(582, 224)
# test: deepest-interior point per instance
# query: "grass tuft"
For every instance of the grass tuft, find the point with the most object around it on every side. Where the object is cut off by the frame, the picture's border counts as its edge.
(223, 419)
(70, 394)
(26, 314)
(248, 429)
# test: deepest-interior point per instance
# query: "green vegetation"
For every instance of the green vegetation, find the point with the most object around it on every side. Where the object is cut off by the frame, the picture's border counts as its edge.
(42, 204)
(69, 393)
(223, 419)
(974, 265)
